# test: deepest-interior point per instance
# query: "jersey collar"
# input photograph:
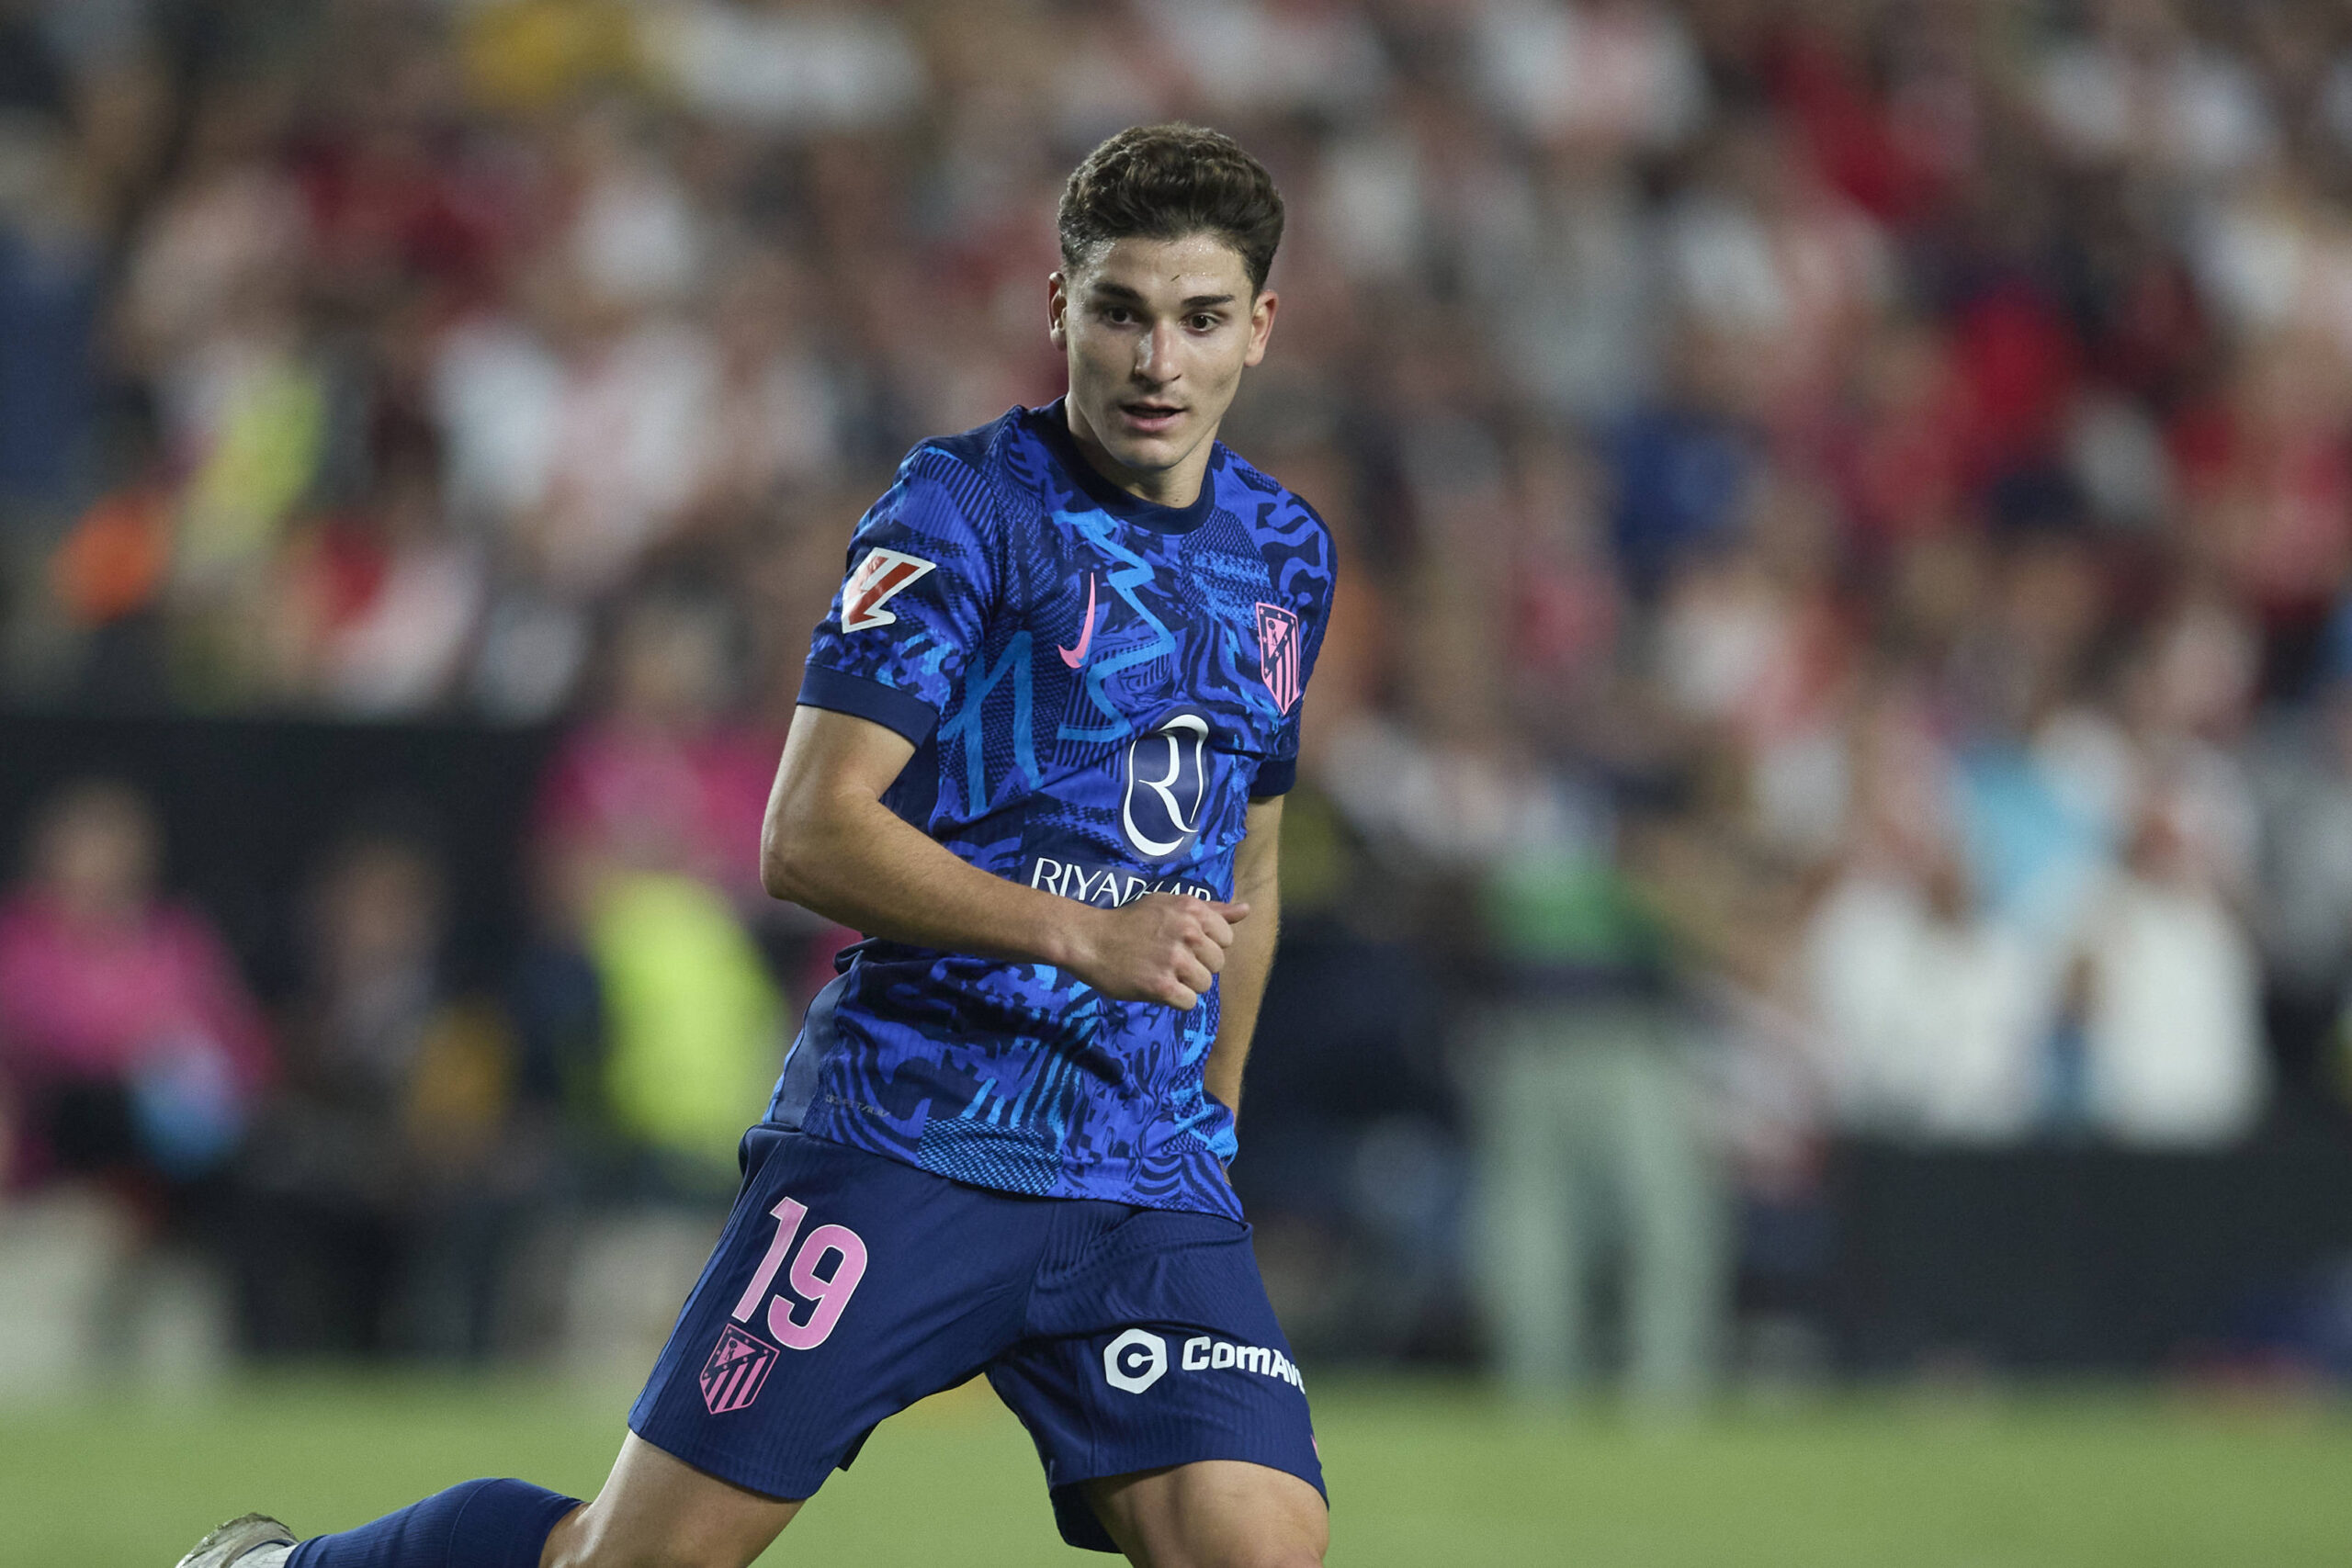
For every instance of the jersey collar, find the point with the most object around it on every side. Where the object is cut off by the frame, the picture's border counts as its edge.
(1052, 424)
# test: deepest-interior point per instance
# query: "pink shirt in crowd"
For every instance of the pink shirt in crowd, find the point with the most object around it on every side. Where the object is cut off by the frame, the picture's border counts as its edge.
(686, 801)
(84, 1004)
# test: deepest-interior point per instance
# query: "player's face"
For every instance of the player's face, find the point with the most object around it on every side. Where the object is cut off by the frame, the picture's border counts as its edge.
(1157, 333)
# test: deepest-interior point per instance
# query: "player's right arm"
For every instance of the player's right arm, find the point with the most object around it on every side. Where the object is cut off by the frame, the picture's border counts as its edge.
(830, 845)
(927, 565)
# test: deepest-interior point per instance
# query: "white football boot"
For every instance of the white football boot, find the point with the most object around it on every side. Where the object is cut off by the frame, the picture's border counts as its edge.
(255, 1541)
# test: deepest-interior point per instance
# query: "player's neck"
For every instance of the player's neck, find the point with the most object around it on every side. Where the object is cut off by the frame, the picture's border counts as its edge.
(1176, 487)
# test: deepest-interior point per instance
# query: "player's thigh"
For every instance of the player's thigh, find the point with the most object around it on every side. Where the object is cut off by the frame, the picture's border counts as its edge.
(1214, 1514)
(846, 1286)
(659, 1512)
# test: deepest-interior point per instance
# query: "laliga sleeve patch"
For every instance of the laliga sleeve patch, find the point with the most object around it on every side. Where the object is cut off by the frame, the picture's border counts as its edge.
(879, 577)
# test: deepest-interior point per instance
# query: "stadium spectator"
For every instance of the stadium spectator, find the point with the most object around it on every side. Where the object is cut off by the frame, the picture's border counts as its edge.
(647, 831)
(385, 599)
(389, 1187)
(693, 1024)
(1591, 1133)
(2172, 1046)
(663, 779)
(51, 264)
(2304, 913)
(126, 1031)
(1937, 1013)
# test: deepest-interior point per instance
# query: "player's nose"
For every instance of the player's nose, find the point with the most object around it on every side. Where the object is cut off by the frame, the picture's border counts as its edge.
(1156, 355)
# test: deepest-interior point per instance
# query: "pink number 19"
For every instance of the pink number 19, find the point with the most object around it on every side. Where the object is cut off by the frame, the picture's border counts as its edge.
(829, 1294)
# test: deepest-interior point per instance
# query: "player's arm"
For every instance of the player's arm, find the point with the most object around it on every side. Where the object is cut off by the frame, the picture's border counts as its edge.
(1251, 956)
(830, 844)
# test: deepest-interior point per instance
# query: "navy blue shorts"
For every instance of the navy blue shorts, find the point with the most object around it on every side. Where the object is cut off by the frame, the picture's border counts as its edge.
(847, 1286)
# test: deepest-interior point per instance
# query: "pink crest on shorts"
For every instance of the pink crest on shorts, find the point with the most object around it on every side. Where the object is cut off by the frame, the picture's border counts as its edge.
(1278, 654)
(737, 1365)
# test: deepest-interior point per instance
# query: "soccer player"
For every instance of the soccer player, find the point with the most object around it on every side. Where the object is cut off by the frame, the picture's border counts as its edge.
(1040, 756)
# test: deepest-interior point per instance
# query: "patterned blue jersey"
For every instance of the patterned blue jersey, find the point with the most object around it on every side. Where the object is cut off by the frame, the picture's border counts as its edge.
(1096, 688)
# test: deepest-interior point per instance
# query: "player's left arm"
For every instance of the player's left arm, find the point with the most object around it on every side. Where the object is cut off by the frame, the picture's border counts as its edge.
(1242, 986)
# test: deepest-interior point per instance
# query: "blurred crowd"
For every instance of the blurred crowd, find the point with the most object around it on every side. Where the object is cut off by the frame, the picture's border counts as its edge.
(1845, 508)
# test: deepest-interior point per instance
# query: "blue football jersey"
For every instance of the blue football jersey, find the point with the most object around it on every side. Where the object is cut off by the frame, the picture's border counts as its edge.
(1096, 688)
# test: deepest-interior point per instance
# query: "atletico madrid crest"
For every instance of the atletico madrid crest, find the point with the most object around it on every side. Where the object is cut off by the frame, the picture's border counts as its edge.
(1278, 654)
(737, 1365)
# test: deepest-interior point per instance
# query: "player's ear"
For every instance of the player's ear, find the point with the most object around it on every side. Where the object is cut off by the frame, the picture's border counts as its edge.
(1058, 308)
(1262, 324)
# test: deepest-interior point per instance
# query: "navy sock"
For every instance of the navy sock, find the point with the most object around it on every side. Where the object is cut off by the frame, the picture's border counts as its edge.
(477, 1523)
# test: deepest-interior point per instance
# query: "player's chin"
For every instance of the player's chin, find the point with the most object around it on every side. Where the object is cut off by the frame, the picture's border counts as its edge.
(1153, 452)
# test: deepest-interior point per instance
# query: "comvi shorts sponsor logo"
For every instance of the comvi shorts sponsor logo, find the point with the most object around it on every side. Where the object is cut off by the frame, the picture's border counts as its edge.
(1134, 1360)
(1203, 1354)
(1138, 1359)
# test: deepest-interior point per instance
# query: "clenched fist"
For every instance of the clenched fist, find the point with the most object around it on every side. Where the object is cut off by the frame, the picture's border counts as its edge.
(1164, 947)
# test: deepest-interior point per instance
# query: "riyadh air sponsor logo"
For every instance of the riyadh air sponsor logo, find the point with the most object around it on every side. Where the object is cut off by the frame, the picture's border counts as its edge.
(881, 577)
(1134, 1360)
(1167, 784)
(1106, 886)
(1138, 1359)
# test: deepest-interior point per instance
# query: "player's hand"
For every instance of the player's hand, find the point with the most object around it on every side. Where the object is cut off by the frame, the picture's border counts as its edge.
(1164, 947)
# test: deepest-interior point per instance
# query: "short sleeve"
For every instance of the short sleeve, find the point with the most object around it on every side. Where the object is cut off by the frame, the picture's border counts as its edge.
(914, 604)
(1304, 578)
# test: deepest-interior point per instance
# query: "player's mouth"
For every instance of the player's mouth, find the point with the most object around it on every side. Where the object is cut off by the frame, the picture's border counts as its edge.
(1147, 417)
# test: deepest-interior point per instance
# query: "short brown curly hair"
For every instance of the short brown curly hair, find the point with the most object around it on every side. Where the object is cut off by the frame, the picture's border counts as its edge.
(1163, 182)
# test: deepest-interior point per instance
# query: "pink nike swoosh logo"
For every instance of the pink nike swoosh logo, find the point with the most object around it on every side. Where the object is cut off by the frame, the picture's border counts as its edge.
(1074, 657)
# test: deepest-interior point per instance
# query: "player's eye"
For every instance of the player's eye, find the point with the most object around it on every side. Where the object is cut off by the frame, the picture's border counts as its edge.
(1204, 322)
(1117, 315)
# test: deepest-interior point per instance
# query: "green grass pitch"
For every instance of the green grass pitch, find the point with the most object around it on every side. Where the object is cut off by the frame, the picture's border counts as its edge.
(1422, 1473)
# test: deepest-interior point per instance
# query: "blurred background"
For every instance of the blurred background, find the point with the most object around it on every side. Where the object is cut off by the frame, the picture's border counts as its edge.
(1823, 855)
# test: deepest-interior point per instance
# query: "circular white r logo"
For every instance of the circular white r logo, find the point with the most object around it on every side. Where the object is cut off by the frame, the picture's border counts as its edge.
(1161, 813)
